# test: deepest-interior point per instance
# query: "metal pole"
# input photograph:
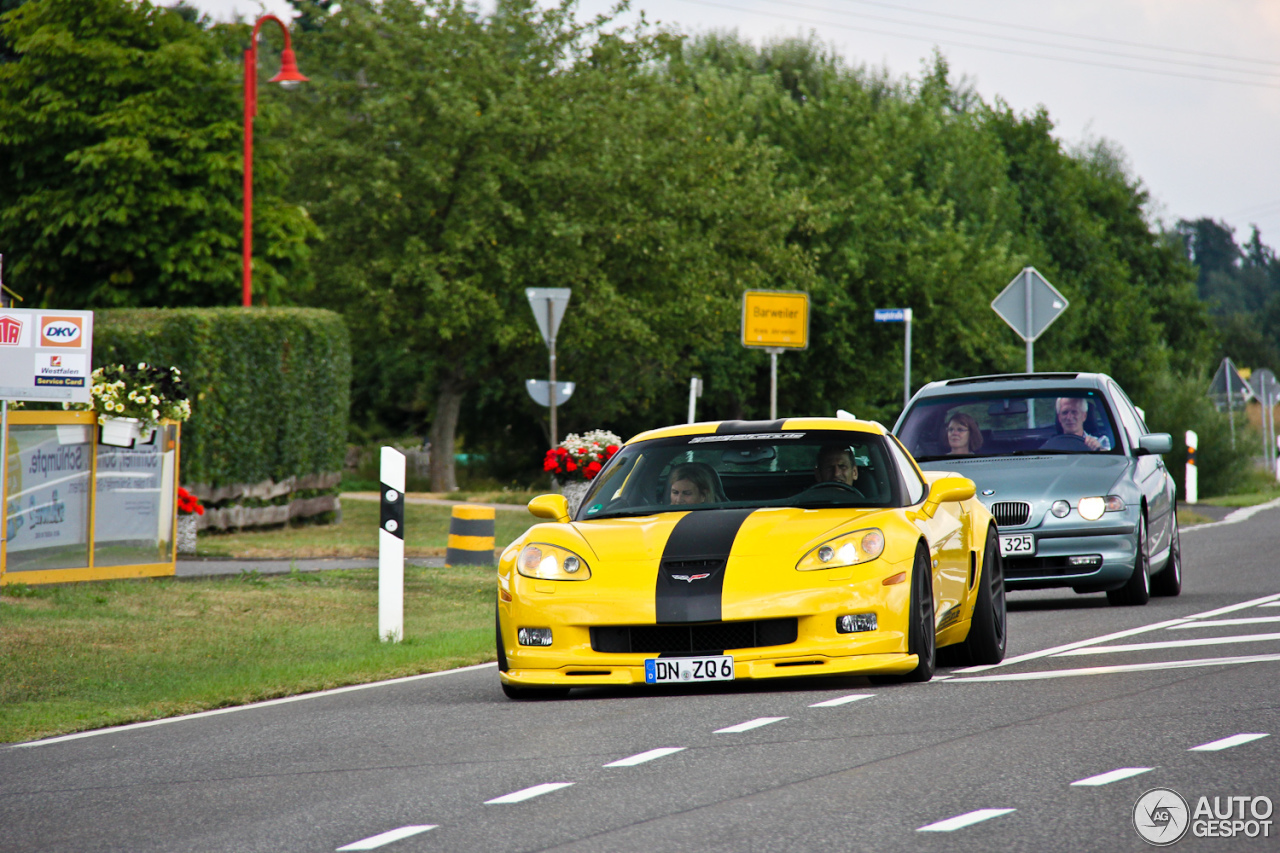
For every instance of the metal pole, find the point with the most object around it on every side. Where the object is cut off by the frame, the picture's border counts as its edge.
(1026, 295)
(906, 359)
(555, 438)
(1229, 369)
(773, 384)
(250, 110)
(695, 389)
(4, 482)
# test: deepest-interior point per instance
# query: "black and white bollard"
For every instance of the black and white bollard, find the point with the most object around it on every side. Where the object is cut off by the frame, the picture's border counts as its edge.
(391, 548)
(1192, 480)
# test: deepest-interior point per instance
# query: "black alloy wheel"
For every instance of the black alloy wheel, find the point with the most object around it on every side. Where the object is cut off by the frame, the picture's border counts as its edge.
(988, 636)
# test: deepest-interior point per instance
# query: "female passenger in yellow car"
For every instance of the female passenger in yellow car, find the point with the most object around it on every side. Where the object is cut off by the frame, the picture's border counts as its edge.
(689, 484)
(964, 437)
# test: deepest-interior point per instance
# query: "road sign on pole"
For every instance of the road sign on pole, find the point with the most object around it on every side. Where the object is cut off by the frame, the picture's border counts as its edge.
(776, 321)
(1265, 387)
(1029, 304)
(1228, 388)
(549, 305)
(540, 391)
(900, 315)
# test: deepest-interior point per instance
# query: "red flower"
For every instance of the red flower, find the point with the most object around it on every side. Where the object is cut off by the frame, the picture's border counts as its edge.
(188, 503)
(610, 450)
(591, 470)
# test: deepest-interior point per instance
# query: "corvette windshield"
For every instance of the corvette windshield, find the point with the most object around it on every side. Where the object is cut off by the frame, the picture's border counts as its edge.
(1039, 422)
(809, 469)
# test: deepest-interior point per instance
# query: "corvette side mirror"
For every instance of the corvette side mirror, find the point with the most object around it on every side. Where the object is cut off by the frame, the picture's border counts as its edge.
(947, 489)
(550, 507)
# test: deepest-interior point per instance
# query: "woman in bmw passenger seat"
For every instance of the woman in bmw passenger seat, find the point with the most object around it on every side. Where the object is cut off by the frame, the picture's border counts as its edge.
(964, 437)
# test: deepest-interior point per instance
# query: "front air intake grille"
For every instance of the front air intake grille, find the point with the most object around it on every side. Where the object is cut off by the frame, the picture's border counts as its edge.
(1011, 513)
(684, 639)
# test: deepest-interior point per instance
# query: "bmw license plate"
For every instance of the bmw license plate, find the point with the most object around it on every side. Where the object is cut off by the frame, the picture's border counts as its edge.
(670, 670)
(1018, 545)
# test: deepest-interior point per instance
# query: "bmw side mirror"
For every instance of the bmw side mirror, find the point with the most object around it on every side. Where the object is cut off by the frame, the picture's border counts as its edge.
(1155, 443)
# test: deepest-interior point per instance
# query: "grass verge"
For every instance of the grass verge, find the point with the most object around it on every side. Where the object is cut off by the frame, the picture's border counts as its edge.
(426, 531)
(83, 656)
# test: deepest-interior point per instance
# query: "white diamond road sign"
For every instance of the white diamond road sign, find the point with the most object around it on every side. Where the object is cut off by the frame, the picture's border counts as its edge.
(1029, 304)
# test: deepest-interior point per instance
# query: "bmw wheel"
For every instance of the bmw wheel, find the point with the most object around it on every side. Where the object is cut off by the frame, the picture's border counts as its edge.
(1168, 581)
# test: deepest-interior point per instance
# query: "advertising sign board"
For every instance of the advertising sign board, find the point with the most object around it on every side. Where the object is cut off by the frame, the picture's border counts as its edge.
(46, 355)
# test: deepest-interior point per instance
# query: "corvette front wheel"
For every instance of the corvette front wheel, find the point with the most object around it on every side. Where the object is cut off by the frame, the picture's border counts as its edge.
(922, 637)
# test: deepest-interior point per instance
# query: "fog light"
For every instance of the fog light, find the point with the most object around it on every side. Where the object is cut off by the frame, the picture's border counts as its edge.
(855, 623)
(571, 565)
(1060, 509)
(1086, 560)
(534, 636)
(826, 553)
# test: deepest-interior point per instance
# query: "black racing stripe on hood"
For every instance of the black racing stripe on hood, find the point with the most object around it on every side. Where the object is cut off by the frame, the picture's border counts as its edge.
(745, 427)
(699, 544)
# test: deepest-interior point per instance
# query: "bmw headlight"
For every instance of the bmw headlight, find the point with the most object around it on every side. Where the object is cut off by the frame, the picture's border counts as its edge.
(1092, 509)
(861, 546)
(550, 562)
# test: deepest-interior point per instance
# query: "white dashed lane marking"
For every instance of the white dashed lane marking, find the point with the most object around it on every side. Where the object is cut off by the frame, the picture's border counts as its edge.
(375, 841)
(1111, 776)
(528, 793)
(1226, 742)
(951, 824)
(646, 756)
(749, 725)
(841, 700)
(1223, 623)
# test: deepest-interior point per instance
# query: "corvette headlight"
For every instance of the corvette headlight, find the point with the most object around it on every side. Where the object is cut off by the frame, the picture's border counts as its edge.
(550, 562)
(850, 549)
(1092, 509)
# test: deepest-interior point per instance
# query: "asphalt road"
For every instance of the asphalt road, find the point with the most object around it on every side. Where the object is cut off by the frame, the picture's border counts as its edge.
(1049, 751)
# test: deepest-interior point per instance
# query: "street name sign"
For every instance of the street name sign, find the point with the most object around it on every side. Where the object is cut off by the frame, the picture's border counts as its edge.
(775, 319)
(46, 354)
(893, 315)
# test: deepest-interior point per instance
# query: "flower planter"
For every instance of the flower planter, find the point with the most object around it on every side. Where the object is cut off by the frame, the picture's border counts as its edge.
(121, 432)
(574, 491)
(187, 534)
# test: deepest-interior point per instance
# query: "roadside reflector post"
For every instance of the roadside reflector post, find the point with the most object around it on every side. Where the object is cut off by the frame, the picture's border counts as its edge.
(1192, 482)
(391, 548)
(471, 536)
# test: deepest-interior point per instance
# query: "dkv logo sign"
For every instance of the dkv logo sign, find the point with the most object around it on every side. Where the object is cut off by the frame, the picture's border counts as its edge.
(61, 332)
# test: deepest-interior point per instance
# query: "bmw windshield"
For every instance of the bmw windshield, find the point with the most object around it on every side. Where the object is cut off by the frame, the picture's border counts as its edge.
(1044, 421)
(807, 469)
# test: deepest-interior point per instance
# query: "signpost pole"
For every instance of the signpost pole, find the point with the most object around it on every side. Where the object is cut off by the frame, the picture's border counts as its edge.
(773, 383)
(906, 358)
(1030, 324)
(551, 343)
(1231, 403)
(695, 391)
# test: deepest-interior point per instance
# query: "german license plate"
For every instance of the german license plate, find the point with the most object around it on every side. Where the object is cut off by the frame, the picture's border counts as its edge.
(669, 670)
(1018, 545)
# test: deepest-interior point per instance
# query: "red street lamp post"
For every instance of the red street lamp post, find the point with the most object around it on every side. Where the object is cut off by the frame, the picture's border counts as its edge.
(288, 74)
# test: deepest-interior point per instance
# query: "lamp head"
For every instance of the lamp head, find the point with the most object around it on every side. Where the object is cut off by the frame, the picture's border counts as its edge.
(289, 75)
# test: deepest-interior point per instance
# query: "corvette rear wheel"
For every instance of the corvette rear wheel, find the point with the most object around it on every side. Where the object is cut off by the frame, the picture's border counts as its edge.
(1168, 581)
(922, 637)
(1137, 589)
(987, 639)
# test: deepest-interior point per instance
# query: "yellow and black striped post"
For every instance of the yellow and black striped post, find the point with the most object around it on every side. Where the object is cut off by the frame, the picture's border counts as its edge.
(470, 536)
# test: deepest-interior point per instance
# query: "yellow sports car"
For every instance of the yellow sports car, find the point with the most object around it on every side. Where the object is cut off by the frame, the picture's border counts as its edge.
(751, 549)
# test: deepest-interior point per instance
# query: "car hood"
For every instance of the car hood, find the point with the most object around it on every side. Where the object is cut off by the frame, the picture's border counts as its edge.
(771, 530)
(1030, 478)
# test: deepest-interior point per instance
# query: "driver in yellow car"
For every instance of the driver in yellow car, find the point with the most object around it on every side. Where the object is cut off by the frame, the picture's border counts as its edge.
(836, 465)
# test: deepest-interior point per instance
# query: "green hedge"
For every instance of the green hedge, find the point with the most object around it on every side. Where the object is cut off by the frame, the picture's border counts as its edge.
(270, 387)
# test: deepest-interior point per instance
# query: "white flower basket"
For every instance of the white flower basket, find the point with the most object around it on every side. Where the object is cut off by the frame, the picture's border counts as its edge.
(121, 432)
(574, 491)
(187, 534)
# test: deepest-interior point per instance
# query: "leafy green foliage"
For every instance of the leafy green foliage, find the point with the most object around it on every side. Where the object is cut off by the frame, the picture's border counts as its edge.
(269, 387)
(120, 166)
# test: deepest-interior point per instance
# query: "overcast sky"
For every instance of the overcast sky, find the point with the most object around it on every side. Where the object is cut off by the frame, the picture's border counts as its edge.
(1188, 89)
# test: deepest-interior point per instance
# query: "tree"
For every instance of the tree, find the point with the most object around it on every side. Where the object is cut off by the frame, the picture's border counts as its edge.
(120, 161)
(454, 160)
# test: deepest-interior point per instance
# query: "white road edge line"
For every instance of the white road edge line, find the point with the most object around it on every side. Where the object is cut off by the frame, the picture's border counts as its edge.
(749, 725)
(282, 701)
(375, 841)
(1172, 644)
(951, 824)
(1227, 742)
(1236, 516)
(1119, 635)
(646, 756)
(841, 700)
(528, 793)
(1107, 670)
(1112, 776)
